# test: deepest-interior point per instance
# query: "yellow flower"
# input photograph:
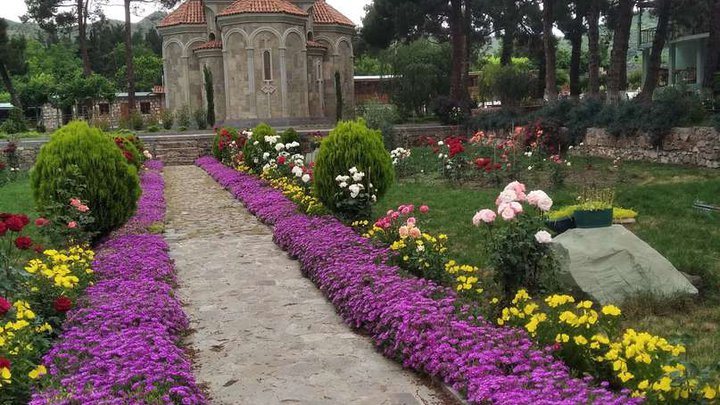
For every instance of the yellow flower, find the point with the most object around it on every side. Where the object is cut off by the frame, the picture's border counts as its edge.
(585, 304)
(709, 392)
(521, 296)
(625, 376)
(663, 384)
(494, 301)
(38, 372)
(580, 340)
(611, 310)
(5, 374)
(643, 385)
(562, 338)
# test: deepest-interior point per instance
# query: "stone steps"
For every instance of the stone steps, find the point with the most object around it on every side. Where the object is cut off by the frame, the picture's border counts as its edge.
(177, 156)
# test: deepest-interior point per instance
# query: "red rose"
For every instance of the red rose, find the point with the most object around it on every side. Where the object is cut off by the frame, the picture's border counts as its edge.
(3, 229)
(5, 306)
(281, 160)
(23, 242)
(40, 222)
(128, 156)
(4, 363)
(14, 223)
(62, 304)
(38, 249)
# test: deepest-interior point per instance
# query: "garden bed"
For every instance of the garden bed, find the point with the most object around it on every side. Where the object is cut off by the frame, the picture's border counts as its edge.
(414, 321)
(121, 344)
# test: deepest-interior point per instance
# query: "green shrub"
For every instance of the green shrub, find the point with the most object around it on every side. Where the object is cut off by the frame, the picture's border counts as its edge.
(504, 119)
(151, 121)
(200, 116)
(183, 117)
(450, 111)
(112, 187)
(167, 119)
(256, 147)
(289, 136)
(15, 123)
(136, 121)
(382, 117)
(221, 142)
(153, 128)
(351, 144)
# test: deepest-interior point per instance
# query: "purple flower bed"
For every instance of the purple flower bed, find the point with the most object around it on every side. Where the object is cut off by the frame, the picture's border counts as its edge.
(121, 344)
(412, 320)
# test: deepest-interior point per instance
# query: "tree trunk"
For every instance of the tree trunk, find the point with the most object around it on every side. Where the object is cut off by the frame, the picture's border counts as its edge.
(7, 81)
(82, 10)
(594, 49)
(458, 86)
(551, 93)
(661, 32)
(508, 46)
(129, 59)
(575, 56)
(712, 55)
(617, 75)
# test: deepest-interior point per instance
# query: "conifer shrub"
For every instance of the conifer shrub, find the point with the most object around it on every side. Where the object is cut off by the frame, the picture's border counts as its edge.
(112, 185)
(289, 136)
(257, 146)
(352, 145)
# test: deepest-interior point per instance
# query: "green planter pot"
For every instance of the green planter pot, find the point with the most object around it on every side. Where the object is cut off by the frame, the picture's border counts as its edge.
(593, 219)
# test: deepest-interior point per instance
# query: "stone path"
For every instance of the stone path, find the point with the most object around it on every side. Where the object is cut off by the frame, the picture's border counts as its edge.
(263, 334)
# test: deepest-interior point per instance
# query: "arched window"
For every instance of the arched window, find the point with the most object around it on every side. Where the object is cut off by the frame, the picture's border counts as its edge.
(310, 36)
(267, 65)
(212, 36)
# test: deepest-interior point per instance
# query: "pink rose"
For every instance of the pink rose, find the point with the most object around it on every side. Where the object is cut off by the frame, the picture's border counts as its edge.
(545, 204)
(83, 208)
(415, 233)
(517, 207)
(487, 216)
(390, 212)
(543, 237)
(424, 209)
(395, 215)
(75, 202)
(404, 232)
(404, 209)
(40, 222)
(516, 186)
(508, 214)
(72, 224)
(506, 196)
(411, 221)
(535, 196)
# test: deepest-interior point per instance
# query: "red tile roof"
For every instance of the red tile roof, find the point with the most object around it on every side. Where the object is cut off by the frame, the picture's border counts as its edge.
(214, 44)
(324, 13)
(157, 89)
(262, 7)
(190, 12)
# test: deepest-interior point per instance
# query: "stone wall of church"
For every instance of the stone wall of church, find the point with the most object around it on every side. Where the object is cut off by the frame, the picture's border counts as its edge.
(183, 73)
(339, 58)
(213, 59)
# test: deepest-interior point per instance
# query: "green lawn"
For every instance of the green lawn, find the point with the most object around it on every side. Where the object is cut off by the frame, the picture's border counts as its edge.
(16, 198)
(662, 194)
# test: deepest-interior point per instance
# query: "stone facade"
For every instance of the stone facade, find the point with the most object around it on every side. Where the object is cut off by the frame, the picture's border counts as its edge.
(271, 61)
(147, 104)
(698, 146)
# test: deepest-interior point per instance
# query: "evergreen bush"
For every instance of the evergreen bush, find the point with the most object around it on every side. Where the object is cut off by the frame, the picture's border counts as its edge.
(200, 116)
(15, 123)
(112, 187)
(382, 117)
(168, 119)
(290, 135)
(256, 147)
(351, 145)
(183, 117)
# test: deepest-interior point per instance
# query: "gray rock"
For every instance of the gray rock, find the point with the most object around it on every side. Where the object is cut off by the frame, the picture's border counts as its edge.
(612, 264)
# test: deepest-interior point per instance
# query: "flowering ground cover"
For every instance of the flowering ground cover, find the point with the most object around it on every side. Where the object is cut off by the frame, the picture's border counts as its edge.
(413, 320)
(121, 344)
(662, 194)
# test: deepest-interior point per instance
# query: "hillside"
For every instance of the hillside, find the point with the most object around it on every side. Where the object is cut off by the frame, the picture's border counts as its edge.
(32, 30)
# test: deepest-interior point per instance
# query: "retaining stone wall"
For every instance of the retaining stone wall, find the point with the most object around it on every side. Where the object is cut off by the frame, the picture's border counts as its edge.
(698, 146)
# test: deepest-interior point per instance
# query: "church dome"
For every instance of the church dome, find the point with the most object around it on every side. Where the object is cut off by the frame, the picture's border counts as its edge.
(191, 12)
(324, 13)
(262, 7)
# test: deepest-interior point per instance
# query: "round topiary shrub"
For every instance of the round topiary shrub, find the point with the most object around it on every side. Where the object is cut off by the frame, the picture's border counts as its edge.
(352, 145)
(258, 149)
(111, 186)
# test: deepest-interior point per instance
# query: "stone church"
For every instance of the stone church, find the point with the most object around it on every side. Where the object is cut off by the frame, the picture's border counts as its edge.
(270, 60)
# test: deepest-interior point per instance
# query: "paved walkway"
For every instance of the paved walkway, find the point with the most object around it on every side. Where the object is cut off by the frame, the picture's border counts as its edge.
(262, 333)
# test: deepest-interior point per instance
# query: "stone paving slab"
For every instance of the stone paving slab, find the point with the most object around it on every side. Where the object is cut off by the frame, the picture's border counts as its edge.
(262, 333)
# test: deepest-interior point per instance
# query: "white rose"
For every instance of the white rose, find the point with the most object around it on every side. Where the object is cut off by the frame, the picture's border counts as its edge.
(256, 143)
(353, 170)
(339, 178)
(373, 198)
(441, 143)
(279, 147)
(569, 164)
(543, 237)
(354, 190)
(343, 185)
(266, 155)
(305, 178)
(358, 176)
(147, 154)
(297, 171)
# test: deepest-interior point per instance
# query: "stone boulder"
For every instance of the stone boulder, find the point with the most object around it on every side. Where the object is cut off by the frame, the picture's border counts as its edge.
(612, 264)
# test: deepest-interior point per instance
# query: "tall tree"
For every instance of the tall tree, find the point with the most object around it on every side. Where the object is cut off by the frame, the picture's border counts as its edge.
(571, 18)
(663, 10)
(712, 56)
(54, 14)
(617, 75)
(12, 61)
(549, 46)
(593, 16)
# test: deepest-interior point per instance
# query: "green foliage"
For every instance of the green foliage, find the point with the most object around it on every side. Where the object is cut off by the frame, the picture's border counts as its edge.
(367, 65)
(289, 136)
(209, 96)
(221, 142)
(134, 121)
(200, 116)
(257, 146)
(182, 116)
(112, 185)
(148, 72)
(450, 111)
(382, 117)
(15, 123)
(511, 84)
(167, 118)
(351, 144)
(503, 119)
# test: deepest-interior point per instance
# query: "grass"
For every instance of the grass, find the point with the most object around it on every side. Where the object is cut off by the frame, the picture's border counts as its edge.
(16, 198)
(23, 135)
(662, 194)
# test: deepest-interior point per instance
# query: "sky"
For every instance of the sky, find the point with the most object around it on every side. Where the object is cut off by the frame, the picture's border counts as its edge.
(13, 9)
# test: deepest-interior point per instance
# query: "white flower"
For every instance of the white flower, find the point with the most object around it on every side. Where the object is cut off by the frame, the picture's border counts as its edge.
(528, 154)
(582, 143)
(448, 167)
(297, 171)
(343, 185)
(353, 170)
(373, 198)
(271, 139)
(305, 178)
(339, 178)
(569, 164)
(570, 147)
(147, 154)
(256, 143)
(354, 190)
(421, 248)
(543, 237)
(370, 185)
(266, 155)
(440, 156)
(530, 168)
(358, 176)
(395, 162)
(441, 143)
(279, 147)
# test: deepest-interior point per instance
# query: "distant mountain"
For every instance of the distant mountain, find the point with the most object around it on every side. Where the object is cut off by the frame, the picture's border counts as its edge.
(32, 30)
